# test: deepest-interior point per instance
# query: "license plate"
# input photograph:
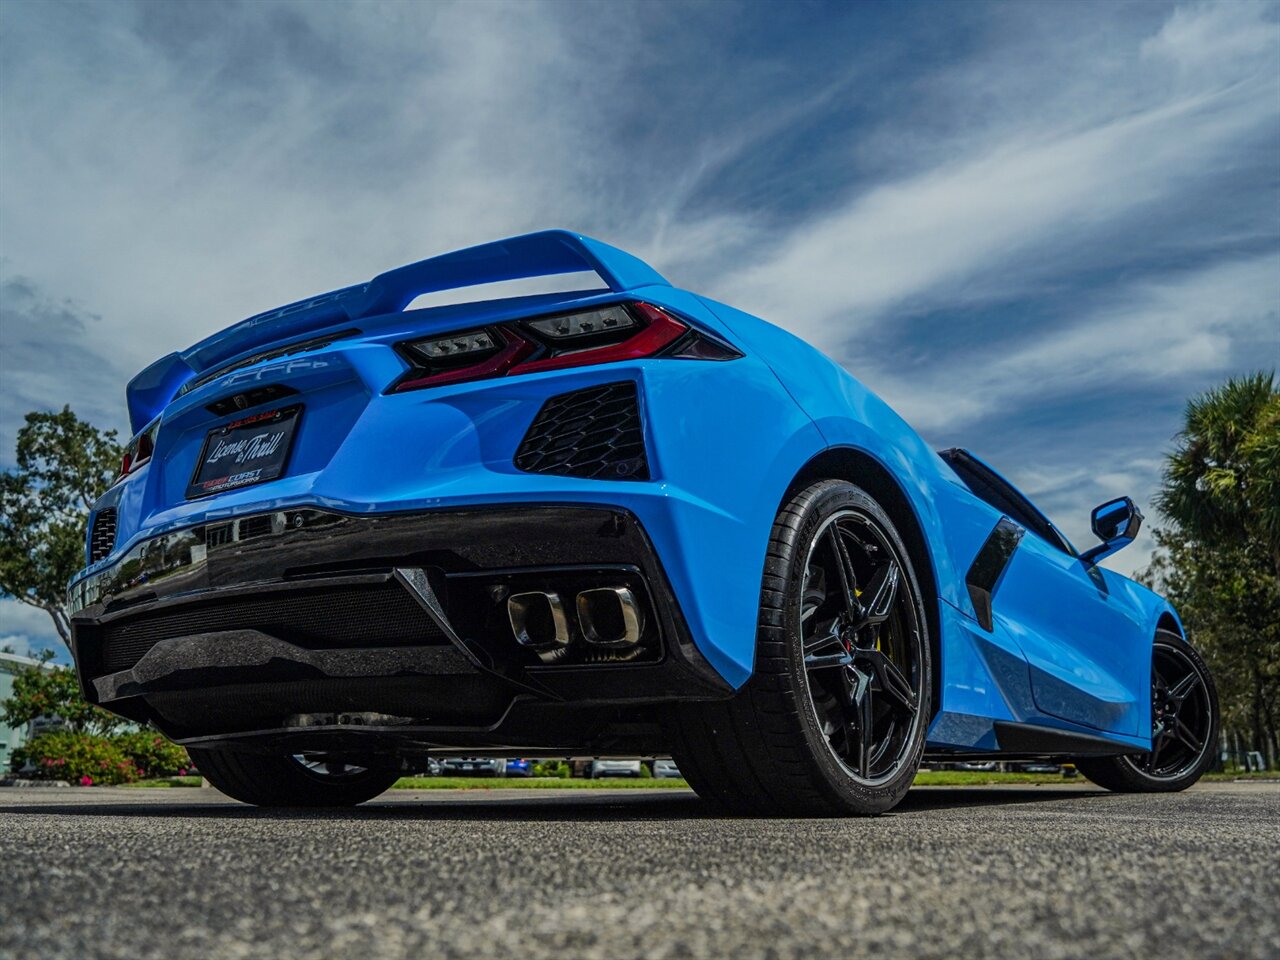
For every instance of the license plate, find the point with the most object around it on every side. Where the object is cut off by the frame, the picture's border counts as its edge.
(244, 452)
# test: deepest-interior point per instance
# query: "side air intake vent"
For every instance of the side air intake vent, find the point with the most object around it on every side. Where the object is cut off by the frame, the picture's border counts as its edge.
(593, 433)
(103, 538)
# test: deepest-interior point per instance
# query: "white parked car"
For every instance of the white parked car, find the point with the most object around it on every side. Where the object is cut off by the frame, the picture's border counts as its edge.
(615, 768)
(666, 770)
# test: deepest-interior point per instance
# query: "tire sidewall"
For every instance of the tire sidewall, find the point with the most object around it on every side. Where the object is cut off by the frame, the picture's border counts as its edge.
(281, 781)
(1173, 640)
(832, 497)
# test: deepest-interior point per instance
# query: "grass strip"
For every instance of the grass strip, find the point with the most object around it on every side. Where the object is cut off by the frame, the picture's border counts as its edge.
(167, 782)
(925, 778)
(535, 783)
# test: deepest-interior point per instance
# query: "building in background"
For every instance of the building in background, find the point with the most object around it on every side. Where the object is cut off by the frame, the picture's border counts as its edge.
(11, 738)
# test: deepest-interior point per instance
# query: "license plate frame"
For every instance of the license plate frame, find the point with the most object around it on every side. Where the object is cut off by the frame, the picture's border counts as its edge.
(256, 449)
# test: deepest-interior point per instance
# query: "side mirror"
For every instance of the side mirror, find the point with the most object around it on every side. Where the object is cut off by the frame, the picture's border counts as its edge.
(1116, 523)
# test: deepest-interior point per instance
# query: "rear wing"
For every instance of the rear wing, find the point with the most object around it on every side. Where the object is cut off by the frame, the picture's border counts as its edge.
(544, 254)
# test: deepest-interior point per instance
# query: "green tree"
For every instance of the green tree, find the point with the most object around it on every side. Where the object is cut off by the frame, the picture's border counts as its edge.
(1219, 560)
(47, 691)
(1222, 482)
(1230, 604)
(63, 465)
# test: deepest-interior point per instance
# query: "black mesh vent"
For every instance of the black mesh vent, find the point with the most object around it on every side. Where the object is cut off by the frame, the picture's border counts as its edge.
(359, 615)
(103, 538)
(255, 526)
(593, 433)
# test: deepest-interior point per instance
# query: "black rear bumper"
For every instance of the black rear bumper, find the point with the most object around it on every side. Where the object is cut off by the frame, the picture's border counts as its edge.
(307, 626)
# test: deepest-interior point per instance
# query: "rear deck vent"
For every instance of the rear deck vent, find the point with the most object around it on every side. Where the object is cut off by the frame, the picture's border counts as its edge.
(103, 539)
(249, 398)
(593, 433)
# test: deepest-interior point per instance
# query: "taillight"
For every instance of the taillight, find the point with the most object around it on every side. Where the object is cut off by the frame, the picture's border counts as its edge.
(629, 331)
(139, 450)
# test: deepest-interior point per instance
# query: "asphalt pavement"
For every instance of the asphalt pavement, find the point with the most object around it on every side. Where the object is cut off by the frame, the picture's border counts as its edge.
(1041, 872)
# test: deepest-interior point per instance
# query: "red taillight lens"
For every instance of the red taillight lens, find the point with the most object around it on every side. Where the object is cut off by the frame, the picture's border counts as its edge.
(605, 334)
(139, 450)
(660, 331)
(513, 349)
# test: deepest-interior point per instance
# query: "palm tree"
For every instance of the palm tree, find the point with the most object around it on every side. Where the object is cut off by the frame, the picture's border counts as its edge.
(1222, 482)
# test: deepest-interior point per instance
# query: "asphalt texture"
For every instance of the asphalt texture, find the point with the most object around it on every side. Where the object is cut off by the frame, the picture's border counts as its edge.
(1039, 872)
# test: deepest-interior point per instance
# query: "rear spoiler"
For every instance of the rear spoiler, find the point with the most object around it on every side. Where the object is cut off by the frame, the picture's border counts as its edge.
(544, 254)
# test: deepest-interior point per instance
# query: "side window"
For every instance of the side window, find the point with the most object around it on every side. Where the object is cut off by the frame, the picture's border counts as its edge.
(991, 488)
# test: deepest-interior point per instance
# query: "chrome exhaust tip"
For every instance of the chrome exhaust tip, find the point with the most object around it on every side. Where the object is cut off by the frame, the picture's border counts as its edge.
(610, 617)
(538, 622)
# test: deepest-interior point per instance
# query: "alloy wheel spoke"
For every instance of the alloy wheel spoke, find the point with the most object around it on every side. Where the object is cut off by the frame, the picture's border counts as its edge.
(860, 725)
(890, 681)
(845, 567)
(881, 591)
(1186, 736)
(862, 701)
(1156, 743)
(826, 647)
(825, 634)
(826, 661)
(1183, 687)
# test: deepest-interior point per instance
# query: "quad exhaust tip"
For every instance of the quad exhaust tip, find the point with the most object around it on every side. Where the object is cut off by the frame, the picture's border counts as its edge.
(539, 622)
(610, 617)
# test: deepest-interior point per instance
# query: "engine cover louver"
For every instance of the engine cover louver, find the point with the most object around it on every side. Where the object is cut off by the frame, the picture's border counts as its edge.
(103, 538)
(593, 433)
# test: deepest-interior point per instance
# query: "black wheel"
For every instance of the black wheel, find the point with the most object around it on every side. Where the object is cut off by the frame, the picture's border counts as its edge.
(832, 721)
(291, 781)
(1184, 721)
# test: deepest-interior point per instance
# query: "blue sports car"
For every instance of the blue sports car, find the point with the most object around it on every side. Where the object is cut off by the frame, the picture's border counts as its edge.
(618, 521)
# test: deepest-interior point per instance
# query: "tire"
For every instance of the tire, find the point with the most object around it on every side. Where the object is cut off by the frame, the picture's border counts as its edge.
(1195, 718)
(275, 781)
(772, 749)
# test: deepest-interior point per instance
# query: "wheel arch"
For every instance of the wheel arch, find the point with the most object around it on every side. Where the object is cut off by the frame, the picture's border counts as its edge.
(859, 467)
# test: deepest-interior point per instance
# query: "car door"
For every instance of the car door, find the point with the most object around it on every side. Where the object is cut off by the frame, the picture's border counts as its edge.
(1077, 635)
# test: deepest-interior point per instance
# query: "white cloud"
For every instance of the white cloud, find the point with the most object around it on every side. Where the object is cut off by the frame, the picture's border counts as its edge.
(28, 630)
(1029, 200)
(1152, 330)
(1214, 37)
(176, 177)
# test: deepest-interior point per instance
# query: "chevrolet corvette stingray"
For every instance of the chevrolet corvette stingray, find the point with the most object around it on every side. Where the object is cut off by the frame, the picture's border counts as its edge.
(623, 520)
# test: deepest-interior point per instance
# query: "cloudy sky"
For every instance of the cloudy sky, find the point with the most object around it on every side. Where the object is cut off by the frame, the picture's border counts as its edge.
(1034, 228)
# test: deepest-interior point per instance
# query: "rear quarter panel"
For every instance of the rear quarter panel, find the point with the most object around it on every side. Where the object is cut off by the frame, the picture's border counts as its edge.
(984, 674)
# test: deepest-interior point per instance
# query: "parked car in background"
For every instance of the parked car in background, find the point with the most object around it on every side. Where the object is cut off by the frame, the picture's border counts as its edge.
(519, 767)
(1036, 767)
(473, 767)
(666, 770)
(615, 768)
(430, 768)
